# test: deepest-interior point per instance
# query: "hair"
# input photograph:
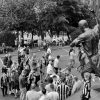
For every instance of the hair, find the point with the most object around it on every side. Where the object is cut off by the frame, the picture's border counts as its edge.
(52, 86)
(33, 86)
(76, 78)
(50, 80)
(44, 91)
(54, 76)
(58, 56)
(63, 79)
(42, 85)
(70, 50)
(34, 64)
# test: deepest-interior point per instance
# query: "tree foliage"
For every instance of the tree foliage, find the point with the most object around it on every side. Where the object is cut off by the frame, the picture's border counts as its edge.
(42, 15)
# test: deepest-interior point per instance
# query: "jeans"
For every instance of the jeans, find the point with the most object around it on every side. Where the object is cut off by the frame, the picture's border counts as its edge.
(4, 90)
(23, 93)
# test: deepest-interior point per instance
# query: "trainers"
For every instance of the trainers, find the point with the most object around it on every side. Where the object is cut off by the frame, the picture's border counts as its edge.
(15, 96)
(9, 92)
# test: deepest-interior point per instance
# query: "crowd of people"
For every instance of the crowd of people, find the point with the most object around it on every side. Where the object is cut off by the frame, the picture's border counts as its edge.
(34, 78)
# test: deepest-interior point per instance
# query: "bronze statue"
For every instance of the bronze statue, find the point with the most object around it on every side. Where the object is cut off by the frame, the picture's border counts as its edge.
(89, 41)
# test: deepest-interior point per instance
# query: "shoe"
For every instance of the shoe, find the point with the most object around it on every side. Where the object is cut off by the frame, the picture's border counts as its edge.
(93, 80)
(9, 92)
(15, 96)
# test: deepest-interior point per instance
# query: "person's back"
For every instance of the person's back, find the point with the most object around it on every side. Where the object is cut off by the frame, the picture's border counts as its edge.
(77, 85)
(9, 63)
(52, 95)
(44, 96)
(56, 63)
(5, 60)
(47, 87)
(22, 81)
(32, 94)
(63, 90)
(50, 70)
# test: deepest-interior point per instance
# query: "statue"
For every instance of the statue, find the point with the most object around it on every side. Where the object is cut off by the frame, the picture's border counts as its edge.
(89, 41)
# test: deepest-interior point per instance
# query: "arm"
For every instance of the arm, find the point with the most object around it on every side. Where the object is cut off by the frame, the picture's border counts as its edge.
(26, 97)
(1, 82)
(73, 89)
(81, 38)
(58, 97)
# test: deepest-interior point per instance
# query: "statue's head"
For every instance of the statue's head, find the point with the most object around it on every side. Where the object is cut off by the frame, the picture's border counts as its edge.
(83, 24)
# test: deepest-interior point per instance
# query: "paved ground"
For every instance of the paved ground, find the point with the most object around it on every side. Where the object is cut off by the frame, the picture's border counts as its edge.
(63, 51)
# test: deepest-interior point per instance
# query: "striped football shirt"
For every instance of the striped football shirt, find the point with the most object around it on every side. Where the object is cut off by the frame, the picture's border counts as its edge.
(63, 91)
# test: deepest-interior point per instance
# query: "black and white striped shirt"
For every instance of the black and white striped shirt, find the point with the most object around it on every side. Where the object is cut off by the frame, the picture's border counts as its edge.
(86, 89)
(63, 91)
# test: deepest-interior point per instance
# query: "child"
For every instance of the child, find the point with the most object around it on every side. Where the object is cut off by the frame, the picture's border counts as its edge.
(4, 84)
(86, 87)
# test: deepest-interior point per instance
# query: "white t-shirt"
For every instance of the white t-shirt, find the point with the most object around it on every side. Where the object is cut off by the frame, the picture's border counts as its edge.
(50, 69)
(48, 51)
(44, 97)
(32, 95)
(50, 57)
(47, 87)
(77, 86)
(53, 96)
(56, 63)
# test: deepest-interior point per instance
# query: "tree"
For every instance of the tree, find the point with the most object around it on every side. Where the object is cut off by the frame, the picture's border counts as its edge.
(65, 15)
(42, 15)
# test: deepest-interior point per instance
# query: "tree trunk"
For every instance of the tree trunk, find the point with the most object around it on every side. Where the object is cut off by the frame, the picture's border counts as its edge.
(22, 36)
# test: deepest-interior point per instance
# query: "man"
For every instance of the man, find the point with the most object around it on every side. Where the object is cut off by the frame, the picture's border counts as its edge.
(69, 79)
(4, 82)
(89, 40)
(72, 58)
(5, 60)
(9, 62)
(77, 85)
(32, 94)
(50, 70)
(47, 87)
(49, 50)
(56, 64)
(32, 75)
(33, 60)
(52, 95)
(86, 87)
(82, 60)
(22, 85)
(63, 90)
